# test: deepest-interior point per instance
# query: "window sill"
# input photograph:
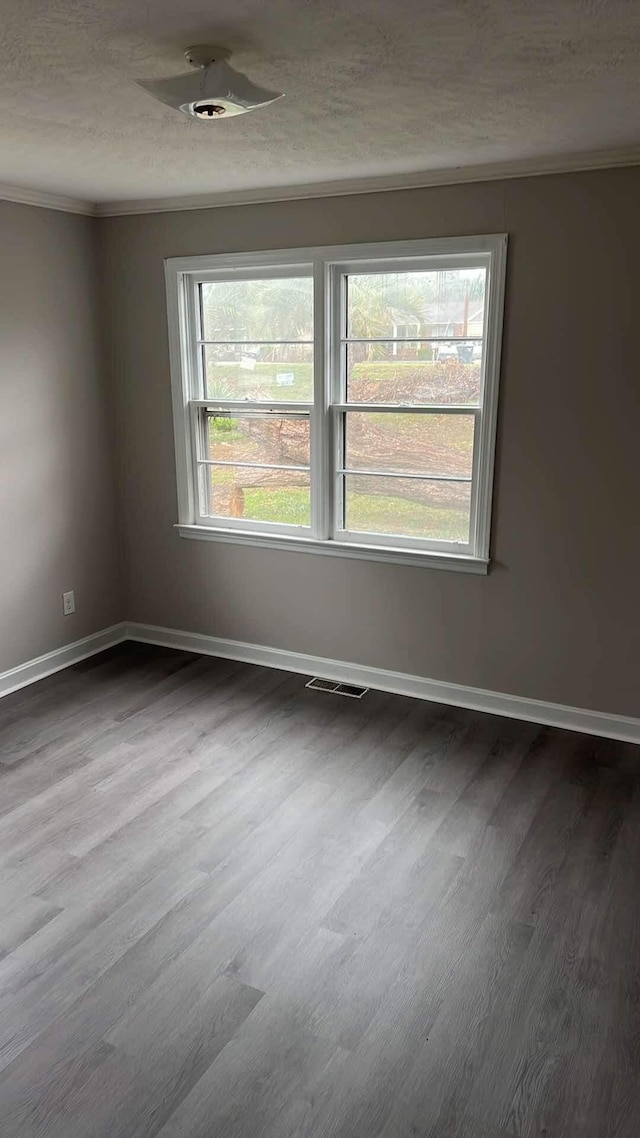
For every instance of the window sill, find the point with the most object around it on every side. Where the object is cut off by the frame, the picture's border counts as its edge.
(429, 559)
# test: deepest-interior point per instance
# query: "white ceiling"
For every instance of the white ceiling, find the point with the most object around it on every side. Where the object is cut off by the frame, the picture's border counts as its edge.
(374, 87)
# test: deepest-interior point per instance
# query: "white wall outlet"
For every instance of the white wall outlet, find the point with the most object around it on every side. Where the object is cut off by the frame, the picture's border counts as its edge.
(68, 603)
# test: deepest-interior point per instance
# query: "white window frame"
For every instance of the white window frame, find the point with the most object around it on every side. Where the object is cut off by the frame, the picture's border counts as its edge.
(329, 266)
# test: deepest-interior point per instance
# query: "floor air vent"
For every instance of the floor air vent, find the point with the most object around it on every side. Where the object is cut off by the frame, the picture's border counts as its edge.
(352, 690)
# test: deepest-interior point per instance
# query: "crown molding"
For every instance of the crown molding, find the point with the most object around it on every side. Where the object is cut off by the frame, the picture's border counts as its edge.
(535, 167)
(24, 196)
(458, 175)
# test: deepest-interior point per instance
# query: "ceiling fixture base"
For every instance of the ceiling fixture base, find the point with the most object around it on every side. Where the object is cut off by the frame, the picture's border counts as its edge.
(214, 90)
(203, 55)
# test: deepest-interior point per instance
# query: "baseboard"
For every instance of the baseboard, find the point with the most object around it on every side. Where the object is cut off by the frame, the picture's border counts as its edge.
(477, 699)
(402, 683)
(60, 658)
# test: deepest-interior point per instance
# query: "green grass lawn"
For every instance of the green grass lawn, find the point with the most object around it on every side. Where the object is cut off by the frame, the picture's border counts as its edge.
(230, 381)
(367, 512)
(288, 506)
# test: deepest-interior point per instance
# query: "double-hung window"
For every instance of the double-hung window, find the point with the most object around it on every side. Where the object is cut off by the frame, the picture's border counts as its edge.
(340, 400)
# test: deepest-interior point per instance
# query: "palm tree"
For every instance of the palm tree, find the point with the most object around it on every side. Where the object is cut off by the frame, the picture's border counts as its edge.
(275, 309)
(376, 301)
(282, 308)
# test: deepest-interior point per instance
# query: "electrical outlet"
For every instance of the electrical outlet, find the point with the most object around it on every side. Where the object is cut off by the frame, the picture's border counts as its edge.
(68, 603)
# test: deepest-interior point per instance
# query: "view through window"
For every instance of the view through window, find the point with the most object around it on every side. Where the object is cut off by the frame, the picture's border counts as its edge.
(257, 348)
(412, 354)
(341, 400)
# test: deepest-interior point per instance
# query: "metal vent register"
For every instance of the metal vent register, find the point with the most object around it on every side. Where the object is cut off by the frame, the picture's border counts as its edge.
(351, 690)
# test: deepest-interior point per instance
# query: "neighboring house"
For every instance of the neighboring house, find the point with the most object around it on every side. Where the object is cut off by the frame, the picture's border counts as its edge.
(454, 318)
(404, 327)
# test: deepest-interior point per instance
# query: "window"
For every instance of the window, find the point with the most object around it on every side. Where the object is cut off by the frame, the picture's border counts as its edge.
(341, 400)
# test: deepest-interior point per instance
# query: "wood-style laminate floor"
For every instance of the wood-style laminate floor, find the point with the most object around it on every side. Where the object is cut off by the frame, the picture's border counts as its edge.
(236, 908)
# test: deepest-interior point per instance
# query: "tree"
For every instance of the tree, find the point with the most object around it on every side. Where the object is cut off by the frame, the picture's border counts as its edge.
(276, 309)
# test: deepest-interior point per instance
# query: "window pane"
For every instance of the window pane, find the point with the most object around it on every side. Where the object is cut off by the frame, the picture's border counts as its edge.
(414, 372)
(415, 444)
(266, 372)
(448, 302)
(277, 309)
(438, 511)
(281, 496)
(258, 438)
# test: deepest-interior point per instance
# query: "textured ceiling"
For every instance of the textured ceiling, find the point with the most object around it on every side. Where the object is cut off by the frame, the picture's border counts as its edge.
(373, 87)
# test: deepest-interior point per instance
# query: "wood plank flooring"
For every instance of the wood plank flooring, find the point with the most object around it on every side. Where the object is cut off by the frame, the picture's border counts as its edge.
(236, 908)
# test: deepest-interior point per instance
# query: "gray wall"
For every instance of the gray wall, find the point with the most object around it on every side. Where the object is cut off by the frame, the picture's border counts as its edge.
(556, 618)
(57, 490)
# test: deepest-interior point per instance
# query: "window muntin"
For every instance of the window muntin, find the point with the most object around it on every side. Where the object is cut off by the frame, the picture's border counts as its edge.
(347, 400)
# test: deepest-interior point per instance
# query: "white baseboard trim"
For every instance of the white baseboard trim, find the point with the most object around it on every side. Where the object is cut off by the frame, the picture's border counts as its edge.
(60, 658)
(513, 706)
(402, 683)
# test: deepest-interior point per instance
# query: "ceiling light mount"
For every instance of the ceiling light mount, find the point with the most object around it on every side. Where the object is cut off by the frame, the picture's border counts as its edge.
(203, 55)
(213, 90)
